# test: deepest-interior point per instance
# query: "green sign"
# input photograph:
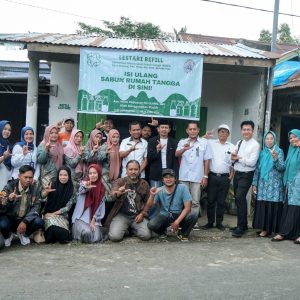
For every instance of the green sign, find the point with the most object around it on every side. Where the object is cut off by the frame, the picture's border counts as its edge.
(121, 82)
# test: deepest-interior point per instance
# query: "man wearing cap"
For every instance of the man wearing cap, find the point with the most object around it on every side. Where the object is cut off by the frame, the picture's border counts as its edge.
(161, 153)
(64, 136)
(105, 127)
(195, 154)
(219, 177)
(175, 207)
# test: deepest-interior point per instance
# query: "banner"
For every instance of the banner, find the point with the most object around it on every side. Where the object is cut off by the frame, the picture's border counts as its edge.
(123, 82)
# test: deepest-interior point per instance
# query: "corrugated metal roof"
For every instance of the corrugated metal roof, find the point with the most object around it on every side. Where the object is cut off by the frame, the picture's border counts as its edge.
(293, 82)
(227, 50)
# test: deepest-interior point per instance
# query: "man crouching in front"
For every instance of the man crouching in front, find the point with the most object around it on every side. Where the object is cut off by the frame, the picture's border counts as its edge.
(130, 194)
(175, 207)
(22, 208)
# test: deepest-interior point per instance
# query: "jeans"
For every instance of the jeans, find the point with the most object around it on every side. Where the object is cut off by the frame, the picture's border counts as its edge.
(241, 183)
(160, 223)
(1, 241)
(10, 224)
(120, 223)
(195, 190)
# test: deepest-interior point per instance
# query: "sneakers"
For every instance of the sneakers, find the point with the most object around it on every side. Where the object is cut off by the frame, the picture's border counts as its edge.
(162, 236)
(23, 239)
(207, 226)
(196, 227)
(7, 242)
(182, 238)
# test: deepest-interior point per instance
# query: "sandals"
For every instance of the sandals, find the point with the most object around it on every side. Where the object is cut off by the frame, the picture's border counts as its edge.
(276, 239)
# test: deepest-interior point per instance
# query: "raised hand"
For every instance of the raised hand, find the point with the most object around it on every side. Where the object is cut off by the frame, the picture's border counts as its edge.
(209, 134)
(88, 185)
(187, 146)
(96, 148)
(13, 196)
(81, 150)
(6, 153)
(100, 125)
(274, 154)
(122, 189)
(154, 190)
(48, 189)
(60, 123)
(109, 149)
(153, 122)
(133, 147)
(25, 149)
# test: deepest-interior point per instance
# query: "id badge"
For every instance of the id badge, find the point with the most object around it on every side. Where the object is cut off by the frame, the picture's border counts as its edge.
(31, 164)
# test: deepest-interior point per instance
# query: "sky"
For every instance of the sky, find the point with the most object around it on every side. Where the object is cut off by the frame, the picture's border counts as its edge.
(198, 16)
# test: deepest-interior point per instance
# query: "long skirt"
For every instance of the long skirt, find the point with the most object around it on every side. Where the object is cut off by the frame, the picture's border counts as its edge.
(267, 216)
(290, 222)
(82, 232)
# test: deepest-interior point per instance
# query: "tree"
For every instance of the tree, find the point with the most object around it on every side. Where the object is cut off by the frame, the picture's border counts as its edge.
(285, 34)
(125, 28)
(182, 30)
(265, 36)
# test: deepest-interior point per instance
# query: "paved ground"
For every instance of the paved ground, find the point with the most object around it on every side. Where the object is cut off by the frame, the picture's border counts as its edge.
(212, 266)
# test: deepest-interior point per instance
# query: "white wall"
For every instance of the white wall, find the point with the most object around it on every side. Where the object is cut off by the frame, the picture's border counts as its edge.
(66, 76)
(227, 95)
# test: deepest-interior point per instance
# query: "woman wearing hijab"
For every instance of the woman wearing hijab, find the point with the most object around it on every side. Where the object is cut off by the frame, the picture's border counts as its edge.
(110, 161)
(90, 208)
(25, 153)
(290, 222)
(91, 151)
(5, 153)
(74, 158)
(268, 186)
(50, 155)
(60, 198)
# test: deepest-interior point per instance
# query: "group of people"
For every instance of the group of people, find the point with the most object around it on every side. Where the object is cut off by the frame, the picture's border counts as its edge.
(63, 190)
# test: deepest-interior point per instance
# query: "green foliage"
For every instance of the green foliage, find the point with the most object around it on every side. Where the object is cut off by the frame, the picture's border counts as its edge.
(284, 33)
(265, 36)
(125, 28)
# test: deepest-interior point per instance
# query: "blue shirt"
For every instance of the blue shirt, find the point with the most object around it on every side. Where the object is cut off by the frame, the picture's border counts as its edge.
(163, 199)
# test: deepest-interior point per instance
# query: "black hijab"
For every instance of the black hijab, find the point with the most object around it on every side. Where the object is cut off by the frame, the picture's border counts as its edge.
(62, 194)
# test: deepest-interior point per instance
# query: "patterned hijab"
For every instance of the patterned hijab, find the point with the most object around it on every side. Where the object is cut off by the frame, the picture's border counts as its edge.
(72, 150)
(23, 142)
(4, 143)
(292, 160)
(114, 166)
(56, 151)
(266, 161)
(95, 195)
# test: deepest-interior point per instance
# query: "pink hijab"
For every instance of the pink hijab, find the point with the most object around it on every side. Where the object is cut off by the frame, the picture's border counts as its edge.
(56, 152)
(92, 136)
(114, 166)
(72, 150)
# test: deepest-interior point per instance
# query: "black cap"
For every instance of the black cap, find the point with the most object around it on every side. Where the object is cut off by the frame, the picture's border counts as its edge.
(70, 119)
(168, 172)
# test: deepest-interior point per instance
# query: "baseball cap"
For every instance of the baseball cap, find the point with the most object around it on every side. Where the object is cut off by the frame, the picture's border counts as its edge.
(224, 126)
(168, 172)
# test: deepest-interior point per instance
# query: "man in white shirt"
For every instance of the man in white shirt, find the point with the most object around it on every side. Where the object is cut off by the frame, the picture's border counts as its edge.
(195, 155)
(245, 158)
(219, 177)
(134, 148)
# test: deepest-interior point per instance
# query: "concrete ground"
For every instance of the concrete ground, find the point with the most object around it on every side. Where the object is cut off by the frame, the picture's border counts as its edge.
(213, 265)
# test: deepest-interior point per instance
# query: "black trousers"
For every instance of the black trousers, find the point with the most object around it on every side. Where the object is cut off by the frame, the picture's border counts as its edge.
(217, 192)
(242, 181)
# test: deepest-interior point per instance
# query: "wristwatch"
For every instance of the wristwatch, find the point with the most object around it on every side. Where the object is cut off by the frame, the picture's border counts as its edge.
(205, 176)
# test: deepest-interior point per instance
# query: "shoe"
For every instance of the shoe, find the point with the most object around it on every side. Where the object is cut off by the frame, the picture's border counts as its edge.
(196, 227)
(7, 242)
(23, 239)
(220, 227)
(235, 227)
(297, 242)
(182, 238)
(207, 226)
(238, 232)
(258, 234)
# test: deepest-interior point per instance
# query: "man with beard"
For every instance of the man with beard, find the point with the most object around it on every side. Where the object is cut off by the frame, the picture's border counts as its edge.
(175, 207)
(130, 194)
